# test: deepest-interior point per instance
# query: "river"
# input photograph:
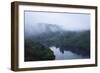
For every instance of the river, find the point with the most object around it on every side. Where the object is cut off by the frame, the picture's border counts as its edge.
(65, 55)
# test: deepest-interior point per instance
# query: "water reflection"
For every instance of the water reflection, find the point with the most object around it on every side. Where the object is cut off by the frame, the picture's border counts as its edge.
(63, 54)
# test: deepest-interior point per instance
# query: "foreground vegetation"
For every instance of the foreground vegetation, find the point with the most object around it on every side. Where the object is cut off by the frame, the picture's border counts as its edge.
(35, 52)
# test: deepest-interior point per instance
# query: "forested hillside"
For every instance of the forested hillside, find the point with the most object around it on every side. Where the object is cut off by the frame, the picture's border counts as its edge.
(37, 47)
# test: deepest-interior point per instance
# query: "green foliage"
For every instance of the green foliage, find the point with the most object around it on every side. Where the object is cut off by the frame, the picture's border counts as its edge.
(36, 47)
(35, 52)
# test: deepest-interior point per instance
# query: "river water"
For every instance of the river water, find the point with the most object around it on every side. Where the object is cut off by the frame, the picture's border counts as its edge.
(65, 55)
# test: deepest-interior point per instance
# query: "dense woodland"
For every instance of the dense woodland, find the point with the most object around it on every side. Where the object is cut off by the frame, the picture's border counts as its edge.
(37, 47)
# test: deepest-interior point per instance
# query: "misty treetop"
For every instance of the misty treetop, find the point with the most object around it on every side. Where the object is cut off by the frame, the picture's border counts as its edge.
(36, 22)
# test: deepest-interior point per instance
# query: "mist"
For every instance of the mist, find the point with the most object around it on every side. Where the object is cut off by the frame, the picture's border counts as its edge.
(37, 22)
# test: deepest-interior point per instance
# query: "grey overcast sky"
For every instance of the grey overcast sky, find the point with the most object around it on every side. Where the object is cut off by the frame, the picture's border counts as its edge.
(67, 21)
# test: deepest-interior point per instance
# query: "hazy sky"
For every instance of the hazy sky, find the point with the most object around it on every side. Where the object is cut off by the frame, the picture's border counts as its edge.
(67, 21)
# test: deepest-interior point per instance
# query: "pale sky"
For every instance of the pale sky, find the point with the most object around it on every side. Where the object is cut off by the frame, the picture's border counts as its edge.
(67, 21)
